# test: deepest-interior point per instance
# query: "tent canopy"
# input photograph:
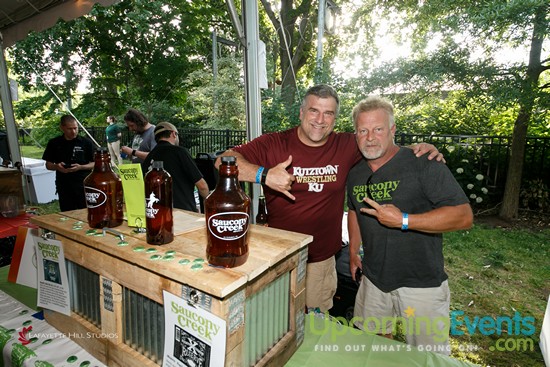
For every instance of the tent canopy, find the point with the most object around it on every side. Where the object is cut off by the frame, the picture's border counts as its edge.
(19, 17)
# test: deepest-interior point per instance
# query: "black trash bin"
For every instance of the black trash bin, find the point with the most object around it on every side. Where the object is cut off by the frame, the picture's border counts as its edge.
(205, 164)
(7, 244)
(4, 148)
(344, 299)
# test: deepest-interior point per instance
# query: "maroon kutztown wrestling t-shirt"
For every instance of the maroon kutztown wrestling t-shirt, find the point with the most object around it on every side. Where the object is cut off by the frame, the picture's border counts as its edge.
(321, 174)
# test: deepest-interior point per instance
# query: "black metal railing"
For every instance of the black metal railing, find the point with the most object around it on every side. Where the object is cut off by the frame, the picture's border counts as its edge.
(490, 154)
(487, 154)
(195, 140)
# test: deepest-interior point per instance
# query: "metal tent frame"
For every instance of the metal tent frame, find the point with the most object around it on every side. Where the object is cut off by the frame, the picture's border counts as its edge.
(18, 18)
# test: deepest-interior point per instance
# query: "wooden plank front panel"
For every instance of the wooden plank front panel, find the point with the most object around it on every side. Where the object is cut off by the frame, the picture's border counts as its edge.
(267, 248)
(132, 265)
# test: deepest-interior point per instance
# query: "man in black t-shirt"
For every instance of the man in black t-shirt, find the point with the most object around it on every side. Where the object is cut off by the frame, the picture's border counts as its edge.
(179, 164)
(71, 157)
(399, 207)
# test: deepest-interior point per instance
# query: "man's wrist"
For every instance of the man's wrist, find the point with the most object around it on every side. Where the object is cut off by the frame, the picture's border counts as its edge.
(264, 175)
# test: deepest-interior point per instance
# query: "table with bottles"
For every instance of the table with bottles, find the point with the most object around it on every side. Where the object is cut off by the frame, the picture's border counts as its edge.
(123, 277)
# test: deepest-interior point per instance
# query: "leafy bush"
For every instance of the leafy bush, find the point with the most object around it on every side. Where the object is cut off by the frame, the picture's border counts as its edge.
(275, 116)
(215, 102)
(43, 134)
(535, 195)
(453, 113)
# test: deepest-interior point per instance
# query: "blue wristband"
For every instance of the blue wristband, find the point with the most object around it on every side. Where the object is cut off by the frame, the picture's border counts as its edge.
(259, 174)
(405, 223)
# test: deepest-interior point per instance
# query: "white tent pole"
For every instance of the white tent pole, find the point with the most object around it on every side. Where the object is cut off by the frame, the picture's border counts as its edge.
(9, 118)
(7, 108)
(320, 34)
(252, 85)
(254, 113)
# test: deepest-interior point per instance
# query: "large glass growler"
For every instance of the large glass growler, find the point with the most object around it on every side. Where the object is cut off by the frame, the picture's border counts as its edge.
(158, 212)
(227, 211)
(103, 191)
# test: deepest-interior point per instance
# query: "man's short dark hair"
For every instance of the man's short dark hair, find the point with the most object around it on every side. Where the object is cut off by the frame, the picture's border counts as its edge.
(322, 91)
(66, 118)
(163, 135)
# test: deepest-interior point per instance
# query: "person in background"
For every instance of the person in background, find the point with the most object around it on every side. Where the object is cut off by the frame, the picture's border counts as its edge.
(399, 206)
(72, 158)
(144, 138)
(178, 163)
(314, 162)
(113, 134)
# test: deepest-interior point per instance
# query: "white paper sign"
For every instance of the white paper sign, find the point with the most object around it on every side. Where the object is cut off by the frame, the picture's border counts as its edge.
(193, 336)
(545, 336)
(53, 287)
(23, 263)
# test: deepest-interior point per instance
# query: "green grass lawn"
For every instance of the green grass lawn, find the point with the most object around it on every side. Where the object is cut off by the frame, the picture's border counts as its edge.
(36, 152)
(31, 151)
(498, 273)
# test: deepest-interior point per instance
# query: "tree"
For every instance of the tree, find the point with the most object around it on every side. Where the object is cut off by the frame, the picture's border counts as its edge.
(216, 103)
(137, 53)
(531, 93)
(295, 27)
(469, 33)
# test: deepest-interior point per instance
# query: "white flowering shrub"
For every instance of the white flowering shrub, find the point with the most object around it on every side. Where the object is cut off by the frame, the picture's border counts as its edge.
(468, 176)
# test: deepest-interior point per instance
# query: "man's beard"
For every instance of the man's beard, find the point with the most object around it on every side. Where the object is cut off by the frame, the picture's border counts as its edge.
(372, 152)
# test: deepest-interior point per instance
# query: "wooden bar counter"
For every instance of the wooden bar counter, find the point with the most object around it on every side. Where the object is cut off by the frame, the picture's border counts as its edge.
(117, 279)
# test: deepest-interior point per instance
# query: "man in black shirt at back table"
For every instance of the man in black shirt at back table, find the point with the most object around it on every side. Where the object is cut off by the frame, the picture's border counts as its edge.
(72, 158)
(179, 164)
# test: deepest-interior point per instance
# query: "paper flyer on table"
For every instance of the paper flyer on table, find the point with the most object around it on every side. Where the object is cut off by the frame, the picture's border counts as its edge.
(53, 286)
(134, 193)
(23, 263)
(193, 336)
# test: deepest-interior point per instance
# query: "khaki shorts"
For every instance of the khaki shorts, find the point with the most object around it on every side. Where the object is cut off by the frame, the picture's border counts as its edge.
(321, 282)
(423, 312)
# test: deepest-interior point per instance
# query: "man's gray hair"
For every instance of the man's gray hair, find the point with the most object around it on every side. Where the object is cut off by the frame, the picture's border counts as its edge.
(372, 103)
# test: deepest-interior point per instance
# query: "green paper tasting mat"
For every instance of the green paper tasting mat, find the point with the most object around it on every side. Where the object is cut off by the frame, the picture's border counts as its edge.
(23, 294)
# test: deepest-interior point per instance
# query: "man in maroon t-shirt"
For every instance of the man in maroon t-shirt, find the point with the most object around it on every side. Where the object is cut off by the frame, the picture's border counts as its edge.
(313, 161)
